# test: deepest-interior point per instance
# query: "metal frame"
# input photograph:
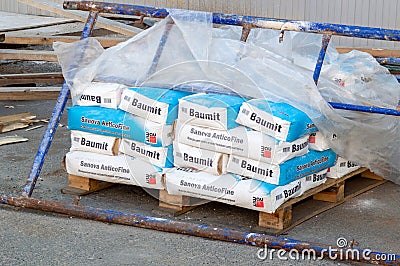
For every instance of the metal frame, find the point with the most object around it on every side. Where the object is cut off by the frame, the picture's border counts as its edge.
(247, 22)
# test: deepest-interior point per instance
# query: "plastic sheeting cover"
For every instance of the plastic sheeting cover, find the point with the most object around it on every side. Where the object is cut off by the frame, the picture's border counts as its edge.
(196, 56)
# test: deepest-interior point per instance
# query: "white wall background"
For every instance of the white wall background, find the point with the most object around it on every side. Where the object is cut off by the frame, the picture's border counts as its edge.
(374, 13)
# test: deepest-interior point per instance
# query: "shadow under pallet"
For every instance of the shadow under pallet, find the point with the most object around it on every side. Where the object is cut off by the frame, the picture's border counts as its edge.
(290, 214)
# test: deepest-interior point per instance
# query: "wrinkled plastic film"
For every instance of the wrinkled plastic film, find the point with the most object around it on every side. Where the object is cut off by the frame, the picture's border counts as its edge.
(207, 59)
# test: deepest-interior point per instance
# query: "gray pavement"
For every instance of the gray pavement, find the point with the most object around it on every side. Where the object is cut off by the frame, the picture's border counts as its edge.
(37, 238)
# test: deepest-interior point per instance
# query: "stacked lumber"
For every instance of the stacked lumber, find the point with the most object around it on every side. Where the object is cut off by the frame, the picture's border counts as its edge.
(29, 38)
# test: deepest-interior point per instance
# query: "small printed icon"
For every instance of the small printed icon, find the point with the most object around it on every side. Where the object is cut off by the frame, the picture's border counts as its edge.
(151, 179)
(341, 242)
(151, 137)
(258, 202)
(266, 152)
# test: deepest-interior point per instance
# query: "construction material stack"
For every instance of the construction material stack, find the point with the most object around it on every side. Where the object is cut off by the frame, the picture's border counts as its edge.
(249, 153)
(138, 127)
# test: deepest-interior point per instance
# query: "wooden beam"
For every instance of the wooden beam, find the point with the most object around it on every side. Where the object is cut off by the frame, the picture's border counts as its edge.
(29, 93)
(82, 16)
(29, 55)
(375, 52)
(10, 79)
(48, 40)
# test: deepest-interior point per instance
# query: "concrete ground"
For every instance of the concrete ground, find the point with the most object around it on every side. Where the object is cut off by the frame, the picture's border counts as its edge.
(38, 238)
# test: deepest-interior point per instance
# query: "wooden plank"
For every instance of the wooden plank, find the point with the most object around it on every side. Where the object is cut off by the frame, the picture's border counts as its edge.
(48, 40)
(376, 52)
(79, 186)
(11, 139)
(82, 16)
(29, 93)
(14, 21)
(29, 55)
(10, 79)
(17, 121)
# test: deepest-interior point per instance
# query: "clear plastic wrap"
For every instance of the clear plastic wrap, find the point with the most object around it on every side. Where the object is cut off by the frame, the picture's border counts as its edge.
(361, 75)
(196, 56)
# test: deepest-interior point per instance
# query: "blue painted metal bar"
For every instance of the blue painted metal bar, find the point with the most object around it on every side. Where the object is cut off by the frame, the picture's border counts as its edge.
(317, 71)
(388, 60)
(232, 19)
(199, 230)
(54, 121)
(366, 109)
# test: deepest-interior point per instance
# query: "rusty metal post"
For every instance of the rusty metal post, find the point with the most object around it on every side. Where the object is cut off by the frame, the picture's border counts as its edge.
(199, 230)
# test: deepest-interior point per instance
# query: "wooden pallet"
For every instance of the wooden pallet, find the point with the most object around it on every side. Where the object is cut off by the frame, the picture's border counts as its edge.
(320, 199)
(290, 214)
(330, 194)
